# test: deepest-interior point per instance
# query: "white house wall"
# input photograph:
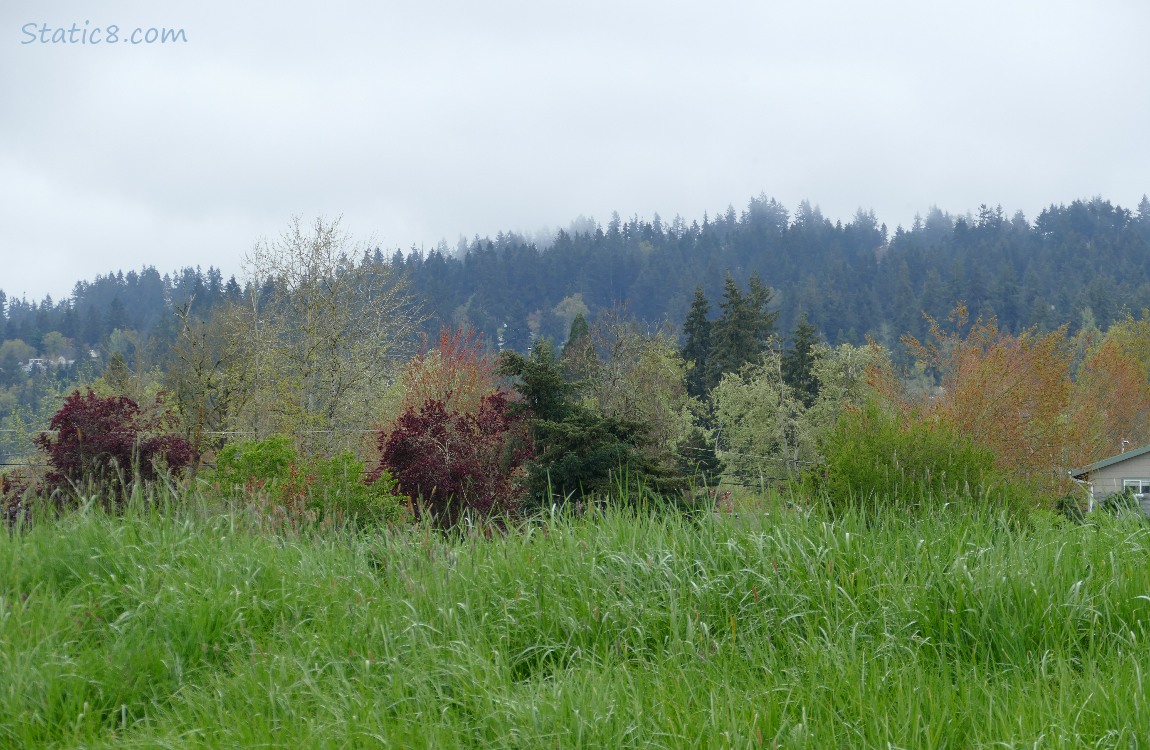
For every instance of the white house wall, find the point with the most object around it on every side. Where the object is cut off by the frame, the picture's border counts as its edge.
(1108, 480)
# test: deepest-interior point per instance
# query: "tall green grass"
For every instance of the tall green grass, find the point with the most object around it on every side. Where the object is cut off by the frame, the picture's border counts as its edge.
(186, 628)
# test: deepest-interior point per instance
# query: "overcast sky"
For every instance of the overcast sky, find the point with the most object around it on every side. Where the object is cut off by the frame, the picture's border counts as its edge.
(422, 121)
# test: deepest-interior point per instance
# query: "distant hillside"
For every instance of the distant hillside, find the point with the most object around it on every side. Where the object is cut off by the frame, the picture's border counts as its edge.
(1072, 264)
(1086, 261)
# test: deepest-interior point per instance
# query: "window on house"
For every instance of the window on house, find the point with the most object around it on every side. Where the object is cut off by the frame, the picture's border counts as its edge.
(1138, 486)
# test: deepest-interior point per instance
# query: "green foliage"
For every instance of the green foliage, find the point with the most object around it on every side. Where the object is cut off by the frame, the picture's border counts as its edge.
(698, 459)
(315, 340)
(579, 330)
(206, 373)
(579, 450)
(342, 488)
(763, 425)
(546, 393)
(883, 459)
(743, 330)
(589, 454)
(848, 275)
(241, 463)
(13, 353)
(636, 375)
(799, 361)
(697, 344)
(843, 375)
(760, 421)
(327, 487)
(24, 411)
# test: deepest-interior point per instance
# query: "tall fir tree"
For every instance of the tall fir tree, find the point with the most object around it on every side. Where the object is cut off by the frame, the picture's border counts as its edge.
(799, 362)
(1143, 222)
(743, 330)
(766, 320)
(732, 335)
(580, 332)
(697, 344)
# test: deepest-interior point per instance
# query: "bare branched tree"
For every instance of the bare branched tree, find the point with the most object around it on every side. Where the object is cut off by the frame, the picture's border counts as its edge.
(320, 335)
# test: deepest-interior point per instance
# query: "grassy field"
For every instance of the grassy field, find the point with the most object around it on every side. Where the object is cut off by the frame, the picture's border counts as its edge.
(189, 629)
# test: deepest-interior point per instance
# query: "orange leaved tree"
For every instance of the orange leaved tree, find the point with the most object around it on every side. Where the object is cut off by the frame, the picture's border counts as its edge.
(458, 370)
(1111, 401)
(1011, 394)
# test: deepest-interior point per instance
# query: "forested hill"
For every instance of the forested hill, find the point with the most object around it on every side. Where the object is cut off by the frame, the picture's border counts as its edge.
(140, 302)
(1090, 259)
(1073, 263)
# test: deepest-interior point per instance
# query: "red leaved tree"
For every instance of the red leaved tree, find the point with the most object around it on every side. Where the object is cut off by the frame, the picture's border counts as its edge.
(109, 442)
(455, 462)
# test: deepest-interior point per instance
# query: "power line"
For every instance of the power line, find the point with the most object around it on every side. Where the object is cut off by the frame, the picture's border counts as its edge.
(716, 451)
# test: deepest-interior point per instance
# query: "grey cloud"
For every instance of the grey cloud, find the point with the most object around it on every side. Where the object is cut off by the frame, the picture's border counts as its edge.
(422, 121)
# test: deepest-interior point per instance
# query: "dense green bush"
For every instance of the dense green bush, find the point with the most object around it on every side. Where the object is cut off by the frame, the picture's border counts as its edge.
(340, 484)
(697, 458)
(876, 456)
(336, 486)
(255, 461)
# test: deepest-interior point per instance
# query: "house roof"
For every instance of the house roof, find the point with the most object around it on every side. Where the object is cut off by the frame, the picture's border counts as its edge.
(1110, 461)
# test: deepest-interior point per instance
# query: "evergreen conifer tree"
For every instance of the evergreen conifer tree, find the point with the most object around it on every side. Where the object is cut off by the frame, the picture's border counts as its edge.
(732, 335)
(765, 320)
(743, 330)
(799, 361)
(1144, 216)
(580, 332)
(579, 450)
(697, 346)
